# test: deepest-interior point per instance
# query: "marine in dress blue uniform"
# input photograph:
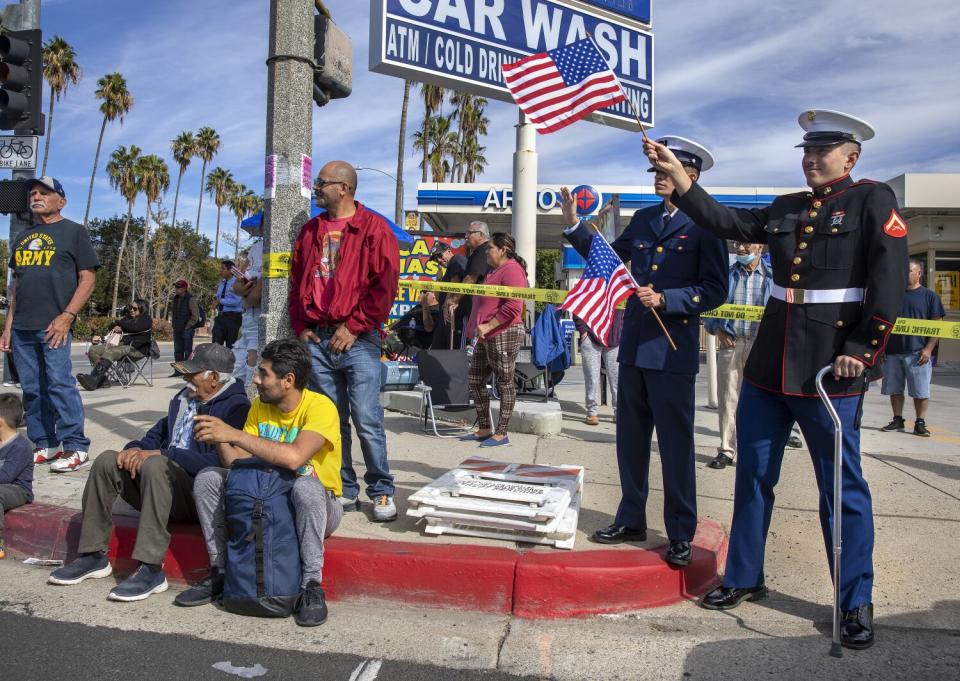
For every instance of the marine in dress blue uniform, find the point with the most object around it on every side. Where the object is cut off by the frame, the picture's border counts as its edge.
(839, 256)
(682, 272)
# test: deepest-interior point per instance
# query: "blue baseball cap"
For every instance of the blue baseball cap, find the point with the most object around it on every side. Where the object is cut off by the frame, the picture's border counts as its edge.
(51, 183)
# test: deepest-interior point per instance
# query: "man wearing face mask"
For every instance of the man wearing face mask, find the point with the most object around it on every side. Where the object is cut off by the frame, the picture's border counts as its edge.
(750, 279)
(154, 474)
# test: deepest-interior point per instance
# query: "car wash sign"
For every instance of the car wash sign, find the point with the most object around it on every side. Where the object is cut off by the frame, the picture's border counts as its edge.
(463, 44)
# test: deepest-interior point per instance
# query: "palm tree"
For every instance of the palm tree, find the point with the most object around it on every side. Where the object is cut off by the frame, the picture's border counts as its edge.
(117, 101)
(219, 186)
(471, 124)
(432, 99)
(60, 68)
(441, 143)
(207, 146)
(240, 206)
(123, 169)
(472, 159)
(183, 148)
(155, 181)
(398, 208)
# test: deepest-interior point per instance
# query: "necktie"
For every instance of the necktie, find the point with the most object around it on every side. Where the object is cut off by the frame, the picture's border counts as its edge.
(666, 220)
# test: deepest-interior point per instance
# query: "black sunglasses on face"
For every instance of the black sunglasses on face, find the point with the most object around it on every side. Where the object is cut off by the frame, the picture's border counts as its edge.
(320, 184)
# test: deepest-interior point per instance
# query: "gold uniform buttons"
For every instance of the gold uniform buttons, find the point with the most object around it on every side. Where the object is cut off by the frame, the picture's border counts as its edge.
(839, 323)
(794, 277)
(882, 327)
(659, 249)
(640, 246)
(808, 229)
(696, 299)
(679, 248)
(685, 322)
(654, 268)
(797, 261)
(874, 343)
(867, 355)
(834, 230)
(802, 245)
(828, 190)
(817, 204)
(813, 213)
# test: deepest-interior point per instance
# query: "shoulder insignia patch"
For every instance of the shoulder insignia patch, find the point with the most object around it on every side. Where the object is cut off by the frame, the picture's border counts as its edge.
(895, 226)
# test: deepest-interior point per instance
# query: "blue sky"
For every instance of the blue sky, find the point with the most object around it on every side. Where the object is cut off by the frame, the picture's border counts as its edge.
(732, 75)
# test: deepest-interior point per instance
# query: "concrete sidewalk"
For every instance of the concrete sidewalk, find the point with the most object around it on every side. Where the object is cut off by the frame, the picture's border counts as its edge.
(915, 481)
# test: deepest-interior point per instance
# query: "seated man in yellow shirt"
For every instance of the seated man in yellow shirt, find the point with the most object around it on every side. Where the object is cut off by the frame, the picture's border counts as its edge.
(287, 426)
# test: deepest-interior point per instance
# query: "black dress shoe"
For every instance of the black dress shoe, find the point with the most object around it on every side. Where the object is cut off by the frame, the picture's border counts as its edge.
(721, 462)
(617, 534)
(856, 627)
(679, 553)
(727, 598)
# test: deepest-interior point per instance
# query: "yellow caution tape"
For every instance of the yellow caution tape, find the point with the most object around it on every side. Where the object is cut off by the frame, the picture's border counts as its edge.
(749, 313)
(540, 295)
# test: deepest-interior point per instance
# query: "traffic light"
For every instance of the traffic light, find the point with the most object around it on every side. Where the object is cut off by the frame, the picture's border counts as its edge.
(333, 53)
(21, 82)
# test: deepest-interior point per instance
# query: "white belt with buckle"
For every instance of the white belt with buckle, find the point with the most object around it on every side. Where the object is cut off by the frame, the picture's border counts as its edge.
(800, 296)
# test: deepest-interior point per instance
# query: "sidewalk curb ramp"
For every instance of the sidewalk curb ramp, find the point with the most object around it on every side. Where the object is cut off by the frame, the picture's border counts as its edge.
(533, 584)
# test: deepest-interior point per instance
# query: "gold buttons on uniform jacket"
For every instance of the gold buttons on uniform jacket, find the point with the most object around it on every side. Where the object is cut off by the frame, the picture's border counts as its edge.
(696, 299)
(802, 245)
(834, 230)
(839, 323)
(882, 327)
(813, 213)
(817, 204)
(867, 355)
(797, 261)
(685, 322)
(808, 229)
(874, 343)
(654, 268)
(794, 277)
(679, 248)
(827, 190)
(659, 249)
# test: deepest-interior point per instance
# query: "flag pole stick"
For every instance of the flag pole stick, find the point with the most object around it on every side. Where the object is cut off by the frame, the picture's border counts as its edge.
(652, 309)
(633, 108)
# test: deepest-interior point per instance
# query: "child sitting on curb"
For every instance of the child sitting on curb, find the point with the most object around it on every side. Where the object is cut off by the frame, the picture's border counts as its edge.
(16, 461)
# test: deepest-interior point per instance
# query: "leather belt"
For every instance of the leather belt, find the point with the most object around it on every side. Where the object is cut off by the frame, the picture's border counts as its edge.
(800, 296)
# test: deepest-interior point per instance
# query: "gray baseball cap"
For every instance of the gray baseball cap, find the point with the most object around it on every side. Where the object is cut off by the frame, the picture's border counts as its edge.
(207, 357)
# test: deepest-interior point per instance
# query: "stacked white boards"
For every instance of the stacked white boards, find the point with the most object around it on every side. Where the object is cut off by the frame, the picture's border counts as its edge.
(501, 500)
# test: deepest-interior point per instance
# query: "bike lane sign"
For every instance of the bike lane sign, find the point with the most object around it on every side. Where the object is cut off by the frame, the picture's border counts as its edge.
(18, 152)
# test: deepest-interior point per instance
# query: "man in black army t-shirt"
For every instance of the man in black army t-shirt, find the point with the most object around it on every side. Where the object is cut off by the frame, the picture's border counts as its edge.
(839, 255)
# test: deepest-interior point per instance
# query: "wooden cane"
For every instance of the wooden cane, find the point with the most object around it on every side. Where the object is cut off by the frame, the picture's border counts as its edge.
(652, 309)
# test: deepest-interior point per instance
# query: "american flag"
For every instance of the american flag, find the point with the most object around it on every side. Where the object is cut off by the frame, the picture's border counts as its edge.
(561, 86)
(604, 283)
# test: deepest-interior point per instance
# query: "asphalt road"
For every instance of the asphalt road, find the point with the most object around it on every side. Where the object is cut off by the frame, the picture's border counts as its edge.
(35, 649)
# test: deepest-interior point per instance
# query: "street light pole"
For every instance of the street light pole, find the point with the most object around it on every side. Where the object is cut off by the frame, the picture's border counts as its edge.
(289, 140)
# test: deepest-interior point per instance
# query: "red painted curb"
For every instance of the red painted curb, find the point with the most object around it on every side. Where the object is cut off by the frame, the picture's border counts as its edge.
(582, 583)
(530, 584)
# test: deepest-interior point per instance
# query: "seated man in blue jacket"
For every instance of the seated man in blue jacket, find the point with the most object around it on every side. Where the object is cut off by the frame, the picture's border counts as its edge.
(155, 475)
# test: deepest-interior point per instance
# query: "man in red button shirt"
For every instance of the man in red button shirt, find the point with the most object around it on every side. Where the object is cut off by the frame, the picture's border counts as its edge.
(343, 281)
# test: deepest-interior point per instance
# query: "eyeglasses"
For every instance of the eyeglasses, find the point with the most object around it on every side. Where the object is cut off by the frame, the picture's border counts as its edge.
(134, 309)
(320, 184)
(476, 231)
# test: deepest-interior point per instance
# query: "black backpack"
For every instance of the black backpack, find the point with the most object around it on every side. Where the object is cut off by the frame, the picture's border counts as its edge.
(201, 316)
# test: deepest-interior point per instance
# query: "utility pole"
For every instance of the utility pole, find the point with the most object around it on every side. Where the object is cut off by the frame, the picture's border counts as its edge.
(22, 17)
(525, 197)
(290, 77)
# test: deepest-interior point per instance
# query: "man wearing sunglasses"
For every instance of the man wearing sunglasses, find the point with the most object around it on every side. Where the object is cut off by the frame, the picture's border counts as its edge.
(343, 281)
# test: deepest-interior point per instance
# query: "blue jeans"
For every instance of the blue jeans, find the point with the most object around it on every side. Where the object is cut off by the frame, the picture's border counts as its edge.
(352, 381)
(763, 426)
(51, 401)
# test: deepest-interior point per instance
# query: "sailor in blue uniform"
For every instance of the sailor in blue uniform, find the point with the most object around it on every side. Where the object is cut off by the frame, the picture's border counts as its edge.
(839, 256)
(682, 272)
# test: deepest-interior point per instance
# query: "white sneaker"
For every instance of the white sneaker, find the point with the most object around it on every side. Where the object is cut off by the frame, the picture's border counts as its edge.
(384, 509)
(70, 461)
(46, 454)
